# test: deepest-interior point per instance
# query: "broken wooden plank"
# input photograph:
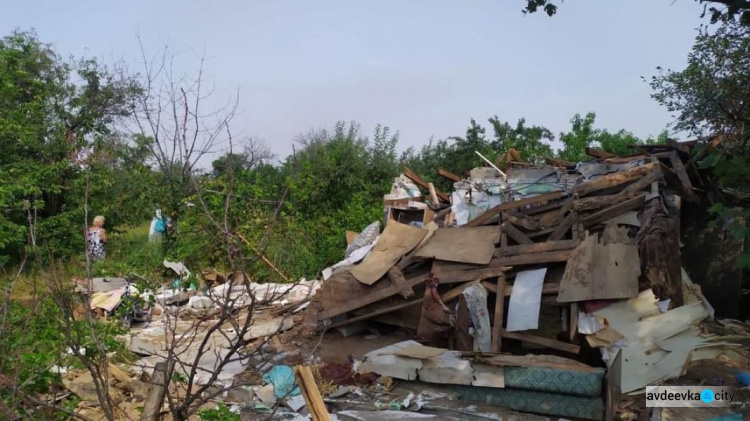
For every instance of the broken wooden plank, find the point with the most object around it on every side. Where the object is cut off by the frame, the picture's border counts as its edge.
(531, 259)
(573, 321)
(679, 168)
(515, 204)
(614, 180)
(433, 193)
(547, 289)
(411, 175)
(597, 202)
(444, 278)
(397, 278)
(497, 325)
(559, 162)
(449, 175)
(599, 153)
(613, 211)
(537, 248)
(448, 296)
(315, 404)
(673, 180)
(515, 234)
(539, 340)
(564, 226)
(522, 220)
(396, 240)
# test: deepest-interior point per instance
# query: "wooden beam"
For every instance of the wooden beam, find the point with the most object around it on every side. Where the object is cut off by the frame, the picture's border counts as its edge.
(489, 214)
(531, 259)
(564, 226)
(449, 175)
(679, 168)
(391, 290)
(614, 180)
(599, 153)
(547, 289)
(673, 180)
(399, 281)
(448, 296)
(573, 320)
(644, 182)
(597, 202)
(433, 194)
(315, 404)
(558, 162)
(515, 234)
(613, 211)
(522, 220)
(538, 340)
(411, 175)
(537, 248)
(497, 326)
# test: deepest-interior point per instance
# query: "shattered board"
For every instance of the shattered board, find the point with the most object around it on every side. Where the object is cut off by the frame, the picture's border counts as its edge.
(464, 245)
(597, 271)
(395, 241)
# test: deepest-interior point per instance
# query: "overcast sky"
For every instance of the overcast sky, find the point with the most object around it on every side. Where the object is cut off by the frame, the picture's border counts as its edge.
(422, 67)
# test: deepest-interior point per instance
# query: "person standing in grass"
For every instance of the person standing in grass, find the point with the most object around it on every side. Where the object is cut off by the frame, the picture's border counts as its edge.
(97, 238)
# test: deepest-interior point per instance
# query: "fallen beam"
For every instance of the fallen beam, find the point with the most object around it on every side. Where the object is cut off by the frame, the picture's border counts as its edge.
(564, 226)
(537, 248)
(531, 259)
(448, 296)
(487, 216)
(546, 288)
(411, 175)
(497, 325)
(449, 175)
(538, 340)
(444, 278)
(612, 211)
(309, 389)
(614, 180)
(516, 234)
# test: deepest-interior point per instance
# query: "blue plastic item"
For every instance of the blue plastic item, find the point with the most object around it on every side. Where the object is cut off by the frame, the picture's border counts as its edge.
(284, 383)
(744, 378)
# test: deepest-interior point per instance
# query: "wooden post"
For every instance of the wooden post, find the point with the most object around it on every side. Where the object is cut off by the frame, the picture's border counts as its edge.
(156, 392)
(497, 328)
(306, 380)
(573, 320)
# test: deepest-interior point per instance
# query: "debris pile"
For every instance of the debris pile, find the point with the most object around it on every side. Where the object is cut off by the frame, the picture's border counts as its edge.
(554, 289)
(580, 260)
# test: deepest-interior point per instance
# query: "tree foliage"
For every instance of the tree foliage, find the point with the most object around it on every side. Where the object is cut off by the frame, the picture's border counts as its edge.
(718, 10)
(56, 118)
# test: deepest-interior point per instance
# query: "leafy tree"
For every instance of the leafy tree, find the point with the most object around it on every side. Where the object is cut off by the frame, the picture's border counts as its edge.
(711, 96)
(719, 10)
(583, 134)
(52, 114)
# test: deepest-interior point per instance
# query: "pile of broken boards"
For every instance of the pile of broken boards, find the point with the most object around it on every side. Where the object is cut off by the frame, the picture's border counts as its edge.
(577, 261)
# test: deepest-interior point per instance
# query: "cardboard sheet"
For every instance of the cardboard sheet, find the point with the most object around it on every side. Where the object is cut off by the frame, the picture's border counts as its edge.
(395, 241)
(525, 300)
(465, 245)
(600, 271)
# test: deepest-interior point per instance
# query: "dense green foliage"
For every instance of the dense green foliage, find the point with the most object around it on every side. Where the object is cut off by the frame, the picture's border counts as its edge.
(710, 97)
(56, 118)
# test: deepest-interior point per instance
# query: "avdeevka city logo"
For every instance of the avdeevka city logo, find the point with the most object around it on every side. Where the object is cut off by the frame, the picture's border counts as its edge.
(707, 396)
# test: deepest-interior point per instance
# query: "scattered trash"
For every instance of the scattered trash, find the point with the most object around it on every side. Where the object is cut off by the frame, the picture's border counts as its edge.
(284, 383)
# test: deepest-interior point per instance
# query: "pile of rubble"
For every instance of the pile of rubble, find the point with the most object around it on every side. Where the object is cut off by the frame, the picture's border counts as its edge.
(574, 266)
(553, 289)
